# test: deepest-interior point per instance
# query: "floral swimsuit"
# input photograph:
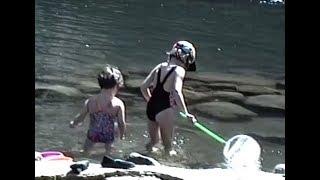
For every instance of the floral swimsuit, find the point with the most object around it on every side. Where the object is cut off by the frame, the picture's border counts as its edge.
(101, 128)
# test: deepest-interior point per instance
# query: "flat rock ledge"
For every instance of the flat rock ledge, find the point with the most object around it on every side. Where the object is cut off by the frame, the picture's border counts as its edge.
(58, 170)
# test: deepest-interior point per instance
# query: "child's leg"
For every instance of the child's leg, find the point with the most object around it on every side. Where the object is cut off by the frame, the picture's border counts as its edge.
(153, 128)
(165, 119)
(108, 147)
(87, 145)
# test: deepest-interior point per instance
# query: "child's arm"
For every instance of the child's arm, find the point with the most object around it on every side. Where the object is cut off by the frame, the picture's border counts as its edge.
(80, 116)
(147, 82)
(178, 96)
(121, 119)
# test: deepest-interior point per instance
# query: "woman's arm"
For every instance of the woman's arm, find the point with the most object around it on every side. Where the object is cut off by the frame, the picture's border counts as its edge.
(178, 96)
(144, 87)
(80, 116)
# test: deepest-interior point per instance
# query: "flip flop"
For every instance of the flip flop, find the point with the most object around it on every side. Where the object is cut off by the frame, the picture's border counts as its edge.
(108, 162)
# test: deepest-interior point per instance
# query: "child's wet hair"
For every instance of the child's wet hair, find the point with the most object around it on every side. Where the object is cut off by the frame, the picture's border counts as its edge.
(110, 77)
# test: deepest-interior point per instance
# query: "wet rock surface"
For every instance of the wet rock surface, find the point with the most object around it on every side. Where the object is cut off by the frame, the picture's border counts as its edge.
(267, 102)
(223, 111)
(245, 94)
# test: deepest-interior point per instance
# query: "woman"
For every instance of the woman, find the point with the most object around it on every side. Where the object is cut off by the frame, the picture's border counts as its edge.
(166, 98)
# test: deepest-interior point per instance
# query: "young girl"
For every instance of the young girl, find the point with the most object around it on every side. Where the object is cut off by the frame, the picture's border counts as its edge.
(166, 98)
(104, 109)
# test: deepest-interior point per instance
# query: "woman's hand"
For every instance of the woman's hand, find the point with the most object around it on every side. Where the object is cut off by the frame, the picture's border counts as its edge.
(191, 117)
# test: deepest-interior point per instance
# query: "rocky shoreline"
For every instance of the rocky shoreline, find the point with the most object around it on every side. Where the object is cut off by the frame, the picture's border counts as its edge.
(60, 170)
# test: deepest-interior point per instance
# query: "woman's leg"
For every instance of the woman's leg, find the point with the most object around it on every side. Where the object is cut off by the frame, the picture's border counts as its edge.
(153, 129)
(165, 119)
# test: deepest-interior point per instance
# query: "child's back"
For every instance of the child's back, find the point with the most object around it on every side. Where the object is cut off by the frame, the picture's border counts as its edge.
(103, 114)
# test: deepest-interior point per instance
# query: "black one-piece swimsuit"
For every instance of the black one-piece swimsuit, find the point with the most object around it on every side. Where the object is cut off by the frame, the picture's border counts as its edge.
(159, 100)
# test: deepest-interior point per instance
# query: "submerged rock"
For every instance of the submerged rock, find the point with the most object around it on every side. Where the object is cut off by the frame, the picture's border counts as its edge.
(198, 86)
(91, 87)
(133, 85)
(54, 91)
(271, 102)
(223, 86)
(229, 78)
(250, 90)
(138, 72)
(228, 96)
(192, 97)
(223, 111)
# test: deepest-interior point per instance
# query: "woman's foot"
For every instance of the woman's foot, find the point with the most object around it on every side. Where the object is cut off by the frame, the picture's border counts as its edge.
(151, 148)
(170, 153)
